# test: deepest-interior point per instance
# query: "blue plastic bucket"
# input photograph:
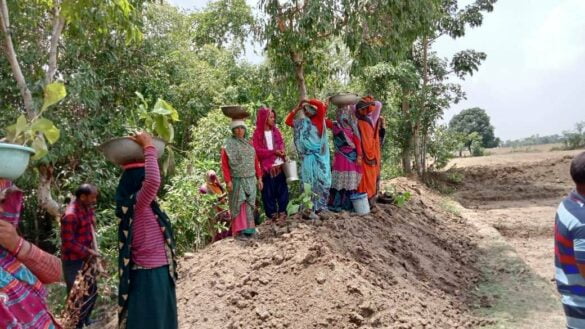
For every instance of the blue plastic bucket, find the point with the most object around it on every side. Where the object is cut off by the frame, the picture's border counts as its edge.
(360, 203)
(14, 160)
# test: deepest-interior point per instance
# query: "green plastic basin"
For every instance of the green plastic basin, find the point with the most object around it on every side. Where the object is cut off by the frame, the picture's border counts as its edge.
(14, 160)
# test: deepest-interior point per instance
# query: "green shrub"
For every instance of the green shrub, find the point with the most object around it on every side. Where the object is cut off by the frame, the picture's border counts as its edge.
(476, 149)
(443, 145)
(190, 211)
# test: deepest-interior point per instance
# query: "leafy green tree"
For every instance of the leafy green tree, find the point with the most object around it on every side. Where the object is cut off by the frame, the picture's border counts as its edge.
(420, 84)
(443, 145)
(192, 219)
(575, 139)
(475, 120)
(533, 140)
(102, 67)
(475, 144)
(296, 33)
(224, 23)
(40, 64)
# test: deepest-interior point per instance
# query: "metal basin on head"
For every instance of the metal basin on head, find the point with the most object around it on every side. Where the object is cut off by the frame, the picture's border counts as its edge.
(123, 150)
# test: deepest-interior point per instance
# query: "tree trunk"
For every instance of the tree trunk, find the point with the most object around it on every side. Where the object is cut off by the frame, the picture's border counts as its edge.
(420, 132)
(58, 24)
(406, 153)
(424, 150)
(407, 157)
(46, 200)
(13, 60)
(418, 149)
(300, 75)
(46, 171)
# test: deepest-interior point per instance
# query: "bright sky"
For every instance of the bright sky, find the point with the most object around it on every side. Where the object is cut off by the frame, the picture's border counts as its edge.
(533, 79)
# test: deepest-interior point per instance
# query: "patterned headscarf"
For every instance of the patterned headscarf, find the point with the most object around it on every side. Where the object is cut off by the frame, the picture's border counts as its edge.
(345, 116)
(368, 109)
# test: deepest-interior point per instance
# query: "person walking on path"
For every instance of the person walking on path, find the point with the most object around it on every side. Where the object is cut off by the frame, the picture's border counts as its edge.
(347, 161)
(368, 113)
(241, 172)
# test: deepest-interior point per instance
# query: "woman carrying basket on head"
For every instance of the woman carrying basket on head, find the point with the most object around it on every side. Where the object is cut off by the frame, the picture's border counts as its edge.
(242, 173)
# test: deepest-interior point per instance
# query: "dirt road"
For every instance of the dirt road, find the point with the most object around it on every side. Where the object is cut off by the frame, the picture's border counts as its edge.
(511, 200)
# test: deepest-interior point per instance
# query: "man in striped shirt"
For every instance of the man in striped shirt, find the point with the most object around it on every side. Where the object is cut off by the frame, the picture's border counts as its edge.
(570, 248)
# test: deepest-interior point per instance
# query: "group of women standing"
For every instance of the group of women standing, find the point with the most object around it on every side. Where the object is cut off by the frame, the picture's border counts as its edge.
(147, 266)
(357, 139)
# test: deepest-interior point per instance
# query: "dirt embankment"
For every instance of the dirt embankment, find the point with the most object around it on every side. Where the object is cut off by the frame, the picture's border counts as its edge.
(502, 185)
(404, 267)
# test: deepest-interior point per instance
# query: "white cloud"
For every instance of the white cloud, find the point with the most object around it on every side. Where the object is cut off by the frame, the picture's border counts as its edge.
(559, 40)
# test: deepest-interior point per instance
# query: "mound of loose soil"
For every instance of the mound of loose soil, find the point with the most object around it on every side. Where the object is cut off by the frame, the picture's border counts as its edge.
(404, 267)
(506, 185)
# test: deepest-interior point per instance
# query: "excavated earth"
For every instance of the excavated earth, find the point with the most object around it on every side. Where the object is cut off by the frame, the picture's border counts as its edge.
(408, 267)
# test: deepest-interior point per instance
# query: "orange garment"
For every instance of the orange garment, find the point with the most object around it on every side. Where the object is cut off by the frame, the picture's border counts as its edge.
(371, 158)
(214, 188)
(371, 147)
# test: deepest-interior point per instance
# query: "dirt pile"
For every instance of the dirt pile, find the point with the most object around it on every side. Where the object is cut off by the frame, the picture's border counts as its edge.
(404, 267)
(505, 185)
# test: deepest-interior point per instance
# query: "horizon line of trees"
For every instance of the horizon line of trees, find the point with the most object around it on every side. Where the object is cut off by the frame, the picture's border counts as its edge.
(571, 139)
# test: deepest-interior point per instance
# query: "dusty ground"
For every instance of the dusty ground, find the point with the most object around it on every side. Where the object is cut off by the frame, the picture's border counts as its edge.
(511, 199)
(410, 267)
(509, 156)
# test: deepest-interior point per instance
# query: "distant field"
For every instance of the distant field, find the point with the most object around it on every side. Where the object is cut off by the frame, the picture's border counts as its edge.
(525, 149)
(509, 155)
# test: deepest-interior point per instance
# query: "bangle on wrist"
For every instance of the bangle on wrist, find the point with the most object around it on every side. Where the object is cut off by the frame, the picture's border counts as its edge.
(18, 247)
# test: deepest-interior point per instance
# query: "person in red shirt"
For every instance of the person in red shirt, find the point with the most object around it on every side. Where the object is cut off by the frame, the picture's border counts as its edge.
(77, 243)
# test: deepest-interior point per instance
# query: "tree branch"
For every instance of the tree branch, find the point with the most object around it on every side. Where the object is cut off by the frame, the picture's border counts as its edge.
(44, 192)
(13, 60)
(58, 24)
(46, 171)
